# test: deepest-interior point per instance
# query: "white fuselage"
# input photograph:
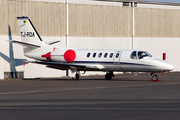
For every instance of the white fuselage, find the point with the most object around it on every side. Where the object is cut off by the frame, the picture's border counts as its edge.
(121, 60)
(86, 59)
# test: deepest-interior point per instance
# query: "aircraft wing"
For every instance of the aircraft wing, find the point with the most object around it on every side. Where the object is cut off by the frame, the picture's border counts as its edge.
(65, 66)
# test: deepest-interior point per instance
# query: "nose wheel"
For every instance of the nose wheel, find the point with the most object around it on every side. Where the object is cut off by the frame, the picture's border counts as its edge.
(154, 77)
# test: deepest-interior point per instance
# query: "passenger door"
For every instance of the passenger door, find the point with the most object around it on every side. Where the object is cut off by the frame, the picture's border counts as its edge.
(117, 57)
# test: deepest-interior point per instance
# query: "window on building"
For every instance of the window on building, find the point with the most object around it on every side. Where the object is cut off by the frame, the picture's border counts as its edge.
(126, 4)
(135, 4)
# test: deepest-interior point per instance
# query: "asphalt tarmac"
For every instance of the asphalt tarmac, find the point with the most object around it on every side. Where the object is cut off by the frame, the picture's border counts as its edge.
(125, 97)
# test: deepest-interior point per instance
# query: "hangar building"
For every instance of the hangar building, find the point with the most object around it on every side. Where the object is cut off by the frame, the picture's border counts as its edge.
(89, 24)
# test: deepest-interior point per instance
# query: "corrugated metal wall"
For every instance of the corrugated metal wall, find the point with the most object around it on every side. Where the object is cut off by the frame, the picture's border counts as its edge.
(3, 17)
(49, 19)
(99, 21)
(84, 20)
(151, 22)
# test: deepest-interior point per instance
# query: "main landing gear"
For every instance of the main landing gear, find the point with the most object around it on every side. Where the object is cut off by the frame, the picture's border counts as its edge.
(109, 75)
(77, 76)
(154, 77)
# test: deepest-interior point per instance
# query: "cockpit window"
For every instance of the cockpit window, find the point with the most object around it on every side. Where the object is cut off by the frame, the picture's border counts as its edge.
(133, 55)
(148, 53)
(142, 54)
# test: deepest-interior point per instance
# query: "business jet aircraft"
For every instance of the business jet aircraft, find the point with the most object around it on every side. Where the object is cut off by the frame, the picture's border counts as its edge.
(78, 60)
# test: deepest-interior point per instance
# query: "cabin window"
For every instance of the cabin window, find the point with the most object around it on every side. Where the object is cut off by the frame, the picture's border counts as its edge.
(117, 55)
(133, 55)
(88, 55)
(111, 55)
(100, 54)
(142, 54)
(105, 55)
(94, 55)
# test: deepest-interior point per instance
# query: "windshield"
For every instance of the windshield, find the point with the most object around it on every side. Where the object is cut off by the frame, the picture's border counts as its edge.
(142, 54)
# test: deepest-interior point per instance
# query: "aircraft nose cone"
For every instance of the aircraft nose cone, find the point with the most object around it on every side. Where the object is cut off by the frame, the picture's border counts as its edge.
(170, 67)
(163, 65)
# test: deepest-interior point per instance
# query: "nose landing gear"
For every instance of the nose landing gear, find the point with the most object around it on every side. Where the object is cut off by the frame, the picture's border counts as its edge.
(154, 78)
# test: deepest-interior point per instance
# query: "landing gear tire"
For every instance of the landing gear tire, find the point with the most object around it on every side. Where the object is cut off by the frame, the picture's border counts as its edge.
(109, 75)
(154, 77)
(76, 77)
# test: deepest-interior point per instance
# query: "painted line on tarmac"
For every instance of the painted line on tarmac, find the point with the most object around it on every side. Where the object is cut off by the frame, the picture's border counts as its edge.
(22, 92)
(85, 103)
(127, 86)
(85, 108)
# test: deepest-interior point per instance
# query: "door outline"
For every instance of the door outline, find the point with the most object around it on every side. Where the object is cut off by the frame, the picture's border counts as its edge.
(117, 60)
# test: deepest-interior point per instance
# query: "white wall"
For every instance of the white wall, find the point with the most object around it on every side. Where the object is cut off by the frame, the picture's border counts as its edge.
(9, 56)
(100, 43)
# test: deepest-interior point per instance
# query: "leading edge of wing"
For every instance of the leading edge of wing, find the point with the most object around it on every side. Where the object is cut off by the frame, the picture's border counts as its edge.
(95, 67)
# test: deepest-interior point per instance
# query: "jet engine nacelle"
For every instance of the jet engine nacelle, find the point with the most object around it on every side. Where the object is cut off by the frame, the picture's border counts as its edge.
(61, 56)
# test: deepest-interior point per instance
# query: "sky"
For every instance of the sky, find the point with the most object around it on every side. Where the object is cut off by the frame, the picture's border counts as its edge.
(170, 1)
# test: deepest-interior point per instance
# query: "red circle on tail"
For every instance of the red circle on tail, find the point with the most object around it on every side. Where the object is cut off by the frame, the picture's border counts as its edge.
(69, 55)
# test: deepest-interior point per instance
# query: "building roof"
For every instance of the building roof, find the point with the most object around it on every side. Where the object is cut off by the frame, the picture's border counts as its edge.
(144, 2)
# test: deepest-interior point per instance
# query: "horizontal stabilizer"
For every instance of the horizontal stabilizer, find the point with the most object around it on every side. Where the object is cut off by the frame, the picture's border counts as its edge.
(52, 42)
(23, 43)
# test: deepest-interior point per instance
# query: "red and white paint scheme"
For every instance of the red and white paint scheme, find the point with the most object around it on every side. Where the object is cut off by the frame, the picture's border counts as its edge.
(78, 60)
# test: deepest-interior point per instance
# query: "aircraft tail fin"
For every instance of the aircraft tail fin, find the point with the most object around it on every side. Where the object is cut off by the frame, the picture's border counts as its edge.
(28, 32)
(30, 39)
